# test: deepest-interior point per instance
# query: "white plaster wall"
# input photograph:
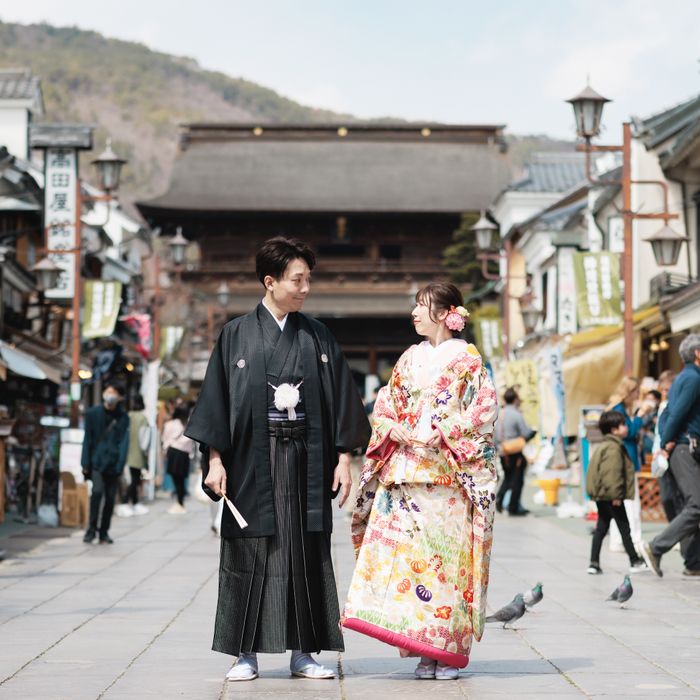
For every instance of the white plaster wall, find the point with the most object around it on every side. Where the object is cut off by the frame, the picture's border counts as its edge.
(649, 199)
(13, 130)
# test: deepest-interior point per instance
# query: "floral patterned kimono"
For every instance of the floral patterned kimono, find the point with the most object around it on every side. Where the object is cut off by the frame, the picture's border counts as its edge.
(422, 525)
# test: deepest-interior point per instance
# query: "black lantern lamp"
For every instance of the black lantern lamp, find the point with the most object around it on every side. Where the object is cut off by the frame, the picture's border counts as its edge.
(484, 229)
(177, 246)
(588, 111)
(47, 273)
(109, 167)
(666, 244)
(222, 294)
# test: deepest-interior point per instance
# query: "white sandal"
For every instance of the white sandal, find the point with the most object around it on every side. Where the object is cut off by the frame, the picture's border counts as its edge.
(425, 671)
(446, 673)
(245, 668)
(304, 666)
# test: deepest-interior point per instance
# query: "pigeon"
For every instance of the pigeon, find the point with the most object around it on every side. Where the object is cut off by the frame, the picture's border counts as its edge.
(509, 613)
(533, 596)
(623, 592)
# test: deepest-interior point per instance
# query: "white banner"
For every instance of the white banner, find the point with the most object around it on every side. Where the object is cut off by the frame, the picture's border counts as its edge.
(566, 299)
(60, 190)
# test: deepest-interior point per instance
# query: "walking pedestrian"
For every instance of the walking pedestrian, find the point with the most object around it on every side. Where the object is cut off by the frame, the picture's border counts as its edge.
(136, 460)
(624, 400)
(179, 450)
(103, 457)
(512, 435)
(679, 428)
(671, 499)
(422, 525)
(610, 480)
(278, 416)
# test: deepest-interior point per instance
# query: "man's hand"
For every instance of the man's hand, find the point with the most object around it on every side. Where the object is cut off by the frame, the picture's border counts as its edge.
(400, 435)
(216, 478)
(668, 448)
(616, 502)
(342, 478)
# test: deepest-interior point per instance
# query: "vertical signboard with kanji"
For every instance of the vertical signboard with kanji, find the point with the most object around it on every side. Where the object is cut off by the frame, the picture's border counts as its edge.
(597, 289)
(60, 190)
(566, 298)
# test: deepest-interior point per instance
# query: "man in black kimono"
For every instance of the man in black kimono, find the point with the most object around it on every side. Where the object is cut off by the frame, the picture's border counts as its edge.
(277, 418)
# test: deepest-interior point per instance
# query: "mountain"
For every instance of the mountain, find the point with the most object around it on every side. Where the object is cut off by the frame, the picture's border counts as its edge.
(139, 97)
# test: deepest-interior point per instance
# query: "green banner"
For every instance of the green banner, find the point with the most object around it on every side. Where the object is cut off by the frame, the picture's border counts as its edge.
(488, 331)
(598, 299)
(102, 301)
(170, 339)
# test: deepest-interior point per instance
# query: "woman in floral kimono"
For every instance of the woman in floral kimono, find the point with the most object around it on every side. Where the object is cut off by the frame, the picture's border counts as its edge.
(422, 525)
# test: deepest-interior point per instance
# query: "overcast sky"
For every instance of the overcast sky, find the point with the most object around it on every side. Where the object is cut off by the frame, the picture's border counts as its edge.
(510, 62)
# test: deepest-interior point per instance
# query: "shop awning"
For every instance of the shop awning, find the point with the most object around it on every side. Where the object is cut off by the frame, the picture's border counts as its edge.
(590, 378)
(594, 337)
(27, 365)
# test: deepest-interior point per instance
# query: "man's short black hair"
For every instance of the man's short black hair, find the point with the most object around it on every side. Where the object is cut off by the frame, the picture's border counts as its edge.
(510, 395)
(116, 385)
(275, 254)
(655, 393)
(609, 420)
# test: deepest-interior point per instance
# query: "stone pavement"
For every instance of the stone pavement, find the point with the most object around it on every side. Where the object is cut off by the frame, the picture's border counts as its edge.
(134, 620)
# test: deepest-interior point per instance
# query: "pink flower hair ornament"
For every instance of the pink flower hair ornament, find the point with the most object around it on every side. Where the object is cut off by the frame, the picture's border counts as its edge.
(456, 318)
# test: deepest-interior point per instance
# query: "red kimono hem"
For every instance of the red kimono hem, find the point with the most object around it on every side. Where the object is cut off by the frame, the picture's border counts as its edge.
(399, 640)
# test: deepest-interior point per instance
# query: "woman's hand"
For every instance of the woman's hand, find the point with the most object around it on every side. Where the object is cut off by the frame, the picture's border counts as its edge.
(434, 439)
(342, 478)
(216, 478)
(400, 435)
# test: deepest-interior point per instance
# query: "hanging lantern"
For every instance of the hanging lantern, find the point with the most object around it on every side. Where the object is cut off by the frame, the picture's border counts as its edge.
(666, 244)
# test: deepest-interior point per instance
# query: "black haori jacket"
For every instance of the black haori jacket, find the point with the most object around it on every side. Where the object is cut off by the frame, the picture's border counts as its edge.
(231, 416)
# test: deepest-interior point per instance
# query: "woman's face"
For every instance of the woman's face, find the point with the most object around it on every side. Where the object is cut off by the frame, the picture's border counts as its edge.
(425, 325)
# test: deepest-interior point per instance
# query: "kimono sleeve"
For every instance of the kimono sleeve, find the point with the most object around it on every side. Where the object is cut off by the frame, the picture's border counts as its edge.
(209, 423)
(388, 411)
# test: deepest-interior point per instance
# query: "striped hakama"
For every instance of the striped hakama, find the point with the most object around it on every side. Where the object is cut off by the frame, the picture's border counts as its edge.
(278, 592)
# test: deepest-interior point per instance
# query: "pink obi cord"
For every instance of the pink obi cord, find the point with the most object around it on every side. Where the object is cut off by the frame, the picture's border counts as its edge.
(398, 640)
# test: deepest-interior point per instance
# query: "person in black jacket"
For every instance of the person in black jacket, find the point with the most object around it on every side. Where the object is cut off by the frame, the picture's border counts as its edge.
(679, 428)
(103, 457)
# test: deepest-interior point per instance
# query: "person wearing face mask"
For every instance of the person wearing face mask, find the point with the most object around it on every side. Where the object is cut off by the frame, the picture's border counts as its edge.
(423, 522)
(103, 458)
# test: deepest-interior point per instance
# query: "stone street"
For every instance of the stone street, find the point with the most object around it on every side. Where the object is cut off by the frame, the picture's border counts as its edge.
(134, 620)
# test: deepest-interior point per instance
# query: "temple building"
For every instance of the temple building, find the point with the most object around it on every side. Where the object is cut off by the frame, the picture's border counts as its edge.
(377, 202)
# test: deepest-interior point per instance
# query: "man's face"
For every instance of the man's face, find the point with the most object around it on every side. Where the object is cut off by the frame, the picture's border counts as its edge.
(290, 291)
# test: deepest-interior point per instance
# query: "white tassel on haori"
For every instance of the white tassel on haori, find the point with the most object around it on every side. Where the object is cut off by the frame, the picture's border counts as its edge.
(287, 398)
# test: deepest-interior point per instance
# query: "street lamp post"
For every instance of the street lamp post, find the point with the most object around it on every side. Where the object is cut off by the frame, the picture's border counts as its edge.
(108, 167)
(485, 232)
(666, 244)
